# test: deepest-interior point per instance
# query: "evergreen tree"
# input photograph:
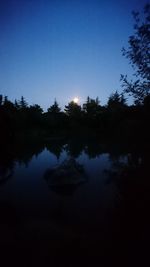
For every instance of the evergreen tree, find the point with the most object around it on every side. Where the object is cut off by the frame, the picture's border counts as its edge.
(92, 106)
(73, 109)
(23, 103)
(116, 101)
(55, 109)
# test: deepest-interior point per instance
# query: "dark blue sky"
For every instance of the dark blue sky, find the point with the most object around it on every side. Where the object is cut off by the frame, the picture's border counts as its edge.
(63, 48)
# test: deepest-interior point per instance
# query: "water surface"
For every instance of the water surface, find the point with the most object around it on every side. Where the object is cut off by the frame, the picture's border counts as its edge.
(86, 212)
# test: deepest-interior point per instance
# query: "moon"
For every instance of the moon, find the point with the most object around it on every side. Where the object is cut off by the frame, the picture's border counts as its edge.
(76, 100)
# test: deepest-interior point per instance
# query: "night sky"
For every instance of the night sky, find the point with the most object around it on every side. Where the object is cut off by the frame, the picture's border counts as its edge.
(62, 49)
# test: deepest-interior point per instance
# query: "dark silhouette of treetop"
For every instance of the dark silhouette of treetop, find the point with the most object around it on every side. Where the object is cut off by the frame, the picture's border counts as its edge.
(1, 99)
(138, 54)
(23, 104)
(16, 104)
(54, 108)
(91, 107)
(8, 105)
(36, 108)
(73, 109)
(116, 101)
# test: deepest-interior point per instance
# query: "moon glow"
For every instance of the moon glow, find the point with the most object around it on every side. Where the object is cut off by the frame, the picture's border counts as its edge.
(76, 100)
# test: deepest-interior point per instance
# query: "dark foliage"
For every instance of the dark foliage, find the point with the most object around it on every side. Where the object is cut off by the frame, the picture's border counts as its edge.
(116, 118)
(138, 54)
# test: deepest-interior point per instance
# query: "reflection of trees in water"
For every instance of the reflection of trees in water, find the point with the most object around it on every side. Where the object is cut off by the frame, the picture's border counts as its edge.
(21, 152)
(55, 146)
(24, 152)
(93, 149)
(131, 213)
(119, 151)
(74, 147)
(123, 163)
(124, 158)
(7, 162)
(135, 172)
(6, 168)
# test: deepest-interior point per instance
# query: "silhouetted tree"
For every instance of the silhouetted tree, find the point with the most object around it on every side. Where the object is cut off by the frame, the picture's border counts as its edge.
(23, 103)
(1, 100)
(116, 101)
(138, 54)
(8, 105)
(7, 117)
(22, 113)
(116, 109)
(16, 104)
(36, 109)
(55, 109)
(92, 106)
(92, 112)
(73, 110)
(54, 119)
(34, 113)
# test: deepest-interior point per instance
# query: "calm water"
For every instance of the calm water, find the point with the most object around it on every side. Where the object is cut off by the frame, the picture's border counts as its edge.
(84, 211)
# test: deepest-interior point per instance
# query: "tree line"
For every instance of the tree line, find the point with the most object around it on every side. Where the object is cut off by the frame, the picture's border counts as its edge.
(115, 115)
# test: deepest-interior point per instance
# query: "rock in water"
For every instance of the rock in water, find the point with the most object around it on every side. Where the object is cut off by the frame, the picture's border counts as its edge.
(68, 175)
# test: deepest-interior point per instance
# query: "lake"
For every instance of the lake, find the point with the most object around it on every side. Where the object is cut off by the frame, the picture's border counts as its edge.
(70, 200)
